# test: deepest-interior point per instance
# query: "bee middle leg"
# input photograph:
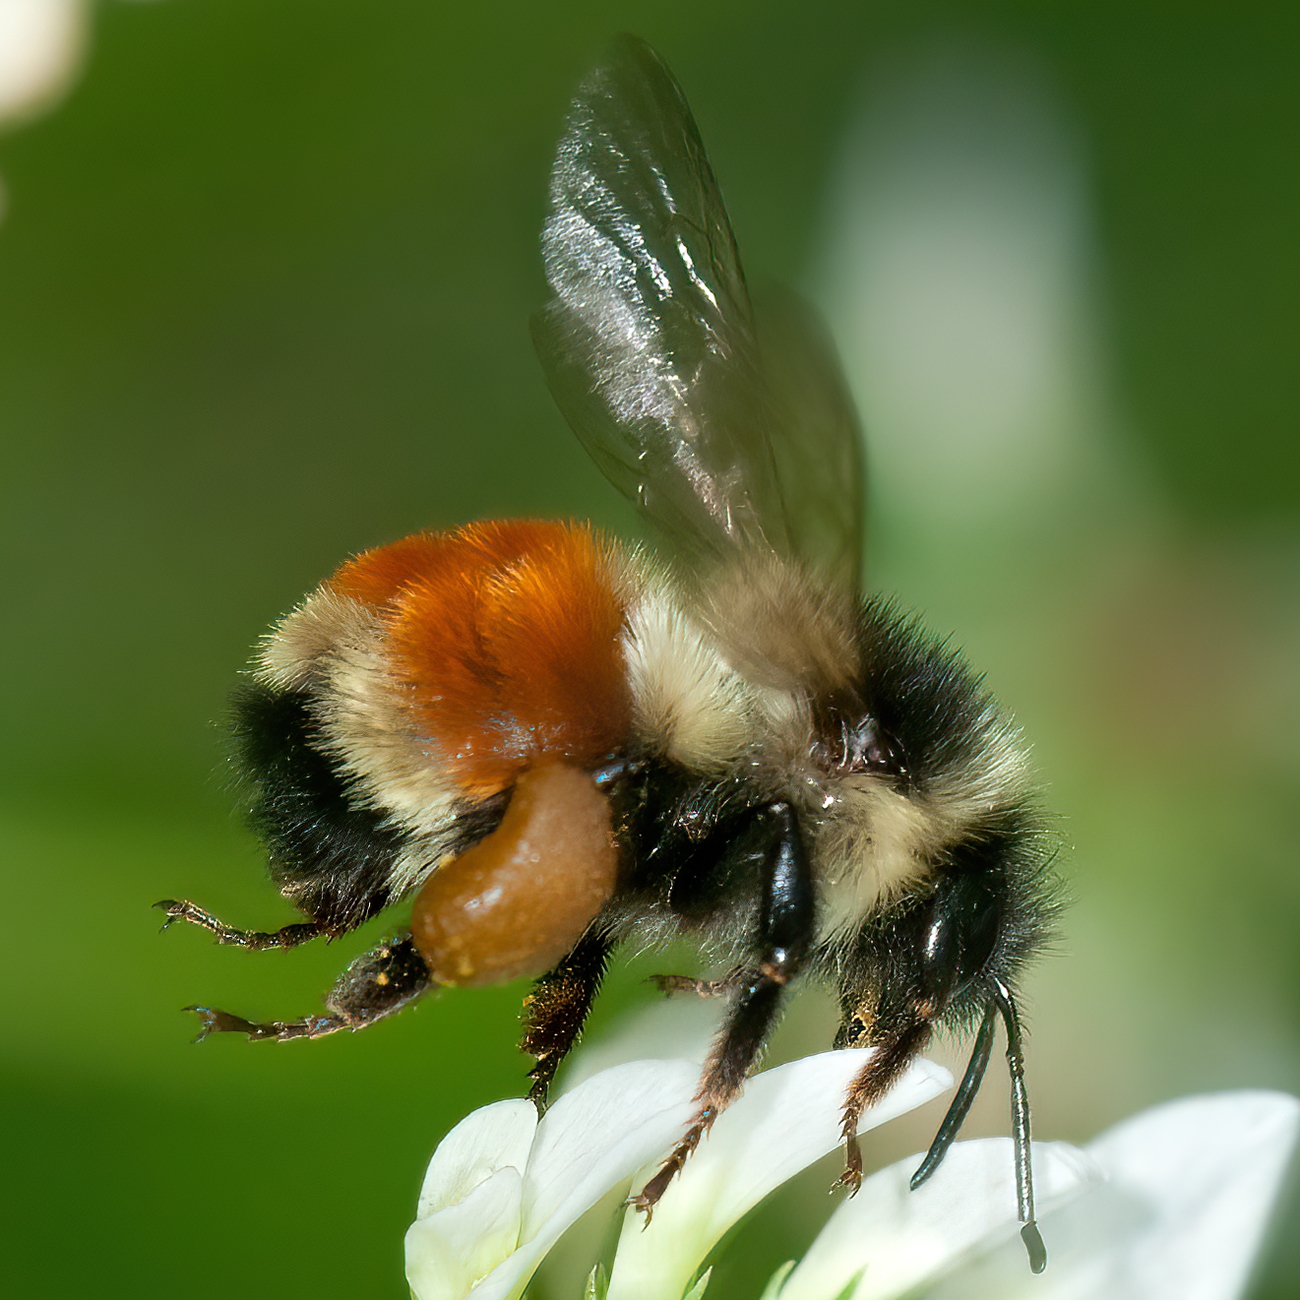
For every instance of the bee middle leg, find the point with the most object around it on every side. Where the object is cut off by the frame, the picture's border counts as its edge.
(786, 929)
(671, 984)
(749, 1022)
(375, 985)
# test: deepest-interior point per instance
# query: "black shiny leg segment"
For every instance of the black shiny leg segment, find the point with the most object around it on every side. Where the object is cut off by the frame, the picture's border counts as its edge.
(374, 986)
(288, 936)
(557, 1008)
(786, 928)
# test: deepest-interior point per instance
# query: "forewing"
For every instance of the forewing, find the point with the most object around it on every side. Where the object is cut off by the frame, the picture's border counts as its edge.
(723, 434)
(649, 345)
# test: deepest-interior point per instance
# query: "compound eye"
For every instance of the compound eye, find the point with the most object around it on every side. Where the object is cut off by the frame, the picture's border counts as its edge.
(960, 933)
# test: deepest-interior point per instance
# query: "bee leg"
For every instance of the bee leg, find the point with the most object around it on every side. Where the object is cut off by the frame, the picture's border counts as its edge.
(786, 930)
(288, 936)
(556, 1009)
(375, 985)
(895, 1046)
(671, 984)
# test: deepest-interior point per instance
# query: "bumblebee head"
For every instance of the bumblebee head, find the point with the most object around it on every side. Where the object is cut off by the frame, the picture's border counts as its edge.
(922, 808)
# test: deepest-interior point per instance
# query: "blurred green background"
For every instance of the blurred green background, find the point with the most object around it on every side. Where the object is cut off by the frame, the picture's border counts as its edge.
(265, 277)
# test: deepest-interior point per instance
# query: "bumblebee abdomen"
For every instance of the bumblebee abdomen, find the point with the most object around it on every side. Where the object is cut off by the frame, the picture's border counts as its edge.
(455, 660)
(333, 858)
(423, 678)
(506, 639)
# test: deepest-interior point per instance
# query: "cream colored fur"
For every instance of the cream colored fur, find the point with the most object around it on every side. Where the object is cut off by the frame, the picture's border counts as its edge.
(335, 645)
(687, 704)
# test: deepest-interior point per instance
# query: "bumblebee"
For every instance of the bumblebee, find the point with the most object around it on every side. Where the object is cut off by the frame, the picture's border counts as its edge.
(559, 743)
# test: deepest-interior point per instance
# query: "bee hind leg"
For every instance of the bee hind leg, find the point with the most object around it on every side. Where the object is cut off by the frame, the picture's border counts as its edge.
(375, 985)
(557, 1008)
(288, 936)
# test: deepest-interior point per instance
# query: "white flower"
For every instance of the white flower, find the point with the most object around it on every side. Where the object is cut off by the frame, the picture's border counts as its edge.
(787, 1118)
(502, 1187)
(1169, 1205)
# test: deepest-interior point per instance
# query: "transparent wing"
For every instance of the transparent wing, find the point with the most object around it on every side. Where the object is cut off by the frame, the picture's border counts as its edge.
(816, 438)
(650, 345)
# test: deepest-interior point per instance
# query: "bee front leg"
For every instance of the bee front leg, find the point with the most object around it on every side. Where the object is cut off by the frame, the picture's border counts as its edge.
(374, 986)
(896, 1046)
(786, 929)
(557, 1008)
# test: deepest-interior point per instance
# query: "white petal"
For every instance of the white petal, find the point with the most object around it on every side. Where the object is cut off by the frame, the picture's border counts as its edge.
(1181, 1216)
(449, 1250)
(680, 1029)
(786, 1119)
(590, 1141)
(617, 1120)
(899, 1239)
(495, 1137)
(41, 46)
(1208, 1171)
(697, 1291)
(1191, 1186)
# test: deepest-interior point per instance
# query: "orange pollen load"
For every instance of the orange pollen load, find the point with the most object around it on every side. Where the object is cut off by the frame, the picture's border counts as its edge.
(517, 901)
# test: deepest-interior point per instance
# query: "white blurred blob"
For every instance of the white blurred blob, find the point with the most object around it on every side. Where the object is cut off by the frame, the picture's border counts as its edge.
(957, 284)
(42, 43)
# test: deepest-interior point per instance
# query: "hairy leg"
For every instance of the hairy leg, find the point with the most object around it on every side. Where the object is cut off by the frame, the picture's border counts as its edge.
(895, 1049)
(557, 1008)
(374, 986)
(288, 936)
(749, 1022)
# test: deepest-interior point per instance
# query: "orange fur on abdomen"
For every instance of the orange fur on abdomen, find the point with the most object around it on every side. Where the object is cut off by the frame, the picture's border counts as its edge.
(508, 636)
